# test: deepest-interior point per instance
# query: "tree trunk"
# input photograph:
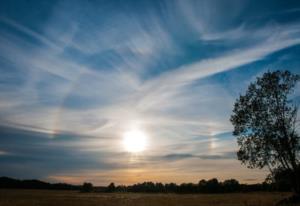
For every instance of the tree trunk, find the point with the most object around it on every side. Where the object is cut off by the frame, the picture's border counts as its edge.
(296, 179)
(297, 182)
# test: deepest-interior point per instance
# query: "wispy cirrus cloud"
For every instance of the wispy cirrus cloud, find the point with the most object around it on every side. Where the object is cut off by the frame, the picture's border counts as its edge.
(171, 68)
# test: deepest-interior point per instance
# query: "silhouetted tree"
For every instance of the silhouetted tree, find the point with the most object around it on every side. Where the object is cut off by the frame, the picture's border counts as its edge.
(111, 187)
(280, 178)
(121, 188)
(212, 185)
(265, 121)
(171, 187)
(187, 188)
(87, 187)
(231, 185)
(202, 185)
(159, 187)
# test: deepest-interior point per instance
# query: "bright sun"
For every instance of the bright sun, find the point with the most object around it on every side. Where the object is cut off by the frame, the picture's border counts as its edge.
(134, 141)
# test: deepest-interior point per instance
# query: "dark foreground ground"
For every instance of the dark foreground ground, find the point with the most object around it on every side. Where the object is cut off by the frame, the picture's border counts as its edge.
(68, 198)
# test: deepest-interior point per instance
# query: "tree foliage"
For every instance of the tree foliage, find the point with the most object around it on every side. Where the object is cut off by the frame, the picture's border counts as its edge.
(87, 187)
(111, 187)
(265, 123)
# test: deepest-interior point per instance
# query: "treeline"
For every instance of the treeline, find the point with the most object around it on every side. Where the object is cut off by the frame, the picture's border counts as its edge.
(6, 182)
(203, 186)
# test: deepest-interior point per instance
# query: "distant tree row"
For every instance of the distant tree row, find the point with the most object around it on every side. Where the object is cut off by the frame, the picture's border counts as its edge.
(203, 186)
(279, 182)
(6, 182)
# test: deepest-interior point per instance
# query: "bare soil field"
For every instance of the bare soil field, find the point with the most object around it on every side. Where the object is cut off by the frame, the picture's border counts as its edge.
(73, 198)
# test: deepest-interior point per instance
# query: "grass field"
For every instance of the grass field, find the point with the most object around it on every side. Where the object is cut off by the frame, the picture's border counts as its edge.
(68, 198)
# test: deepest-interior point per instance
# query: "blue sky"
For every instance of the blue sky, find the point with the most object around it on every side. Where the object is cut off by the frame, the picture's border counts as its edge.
(76, 75)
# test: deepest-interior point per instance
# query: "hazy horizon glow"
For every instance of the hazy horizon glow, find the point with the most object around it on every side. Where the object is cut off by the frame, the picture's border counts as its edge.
(78, 76)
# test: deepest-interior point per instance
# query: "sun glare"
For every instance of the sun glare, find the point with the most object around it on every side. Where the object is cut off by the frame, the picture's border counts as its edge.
(134, 141)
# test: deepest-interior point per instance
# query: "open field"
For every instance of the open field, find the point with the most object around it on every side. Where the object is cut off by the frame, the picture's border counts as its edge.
(68, 198)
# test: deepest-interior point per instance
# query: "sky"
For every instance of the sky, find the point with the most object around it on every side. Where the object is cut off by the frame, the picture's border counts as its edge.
(75, 76)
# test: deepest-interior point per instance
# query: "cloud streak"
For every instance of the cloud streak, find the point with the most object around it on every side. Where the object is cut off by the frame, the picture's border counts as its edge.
(173, 69)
